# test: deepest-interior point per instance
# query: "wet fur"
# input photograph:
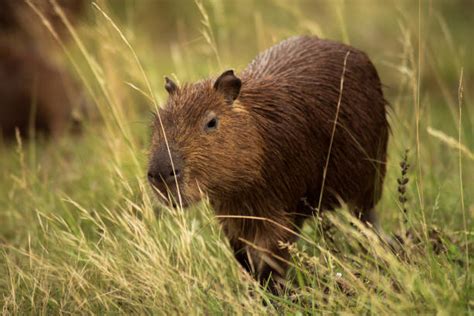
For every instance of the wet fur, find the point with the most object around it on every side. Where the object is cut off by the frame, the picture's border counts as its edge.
(268, 156)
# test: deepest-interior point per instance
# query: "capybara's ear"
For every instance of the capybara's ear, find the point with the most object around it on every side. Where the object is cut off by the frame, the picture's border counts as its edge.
(229, 85)
(170, 86)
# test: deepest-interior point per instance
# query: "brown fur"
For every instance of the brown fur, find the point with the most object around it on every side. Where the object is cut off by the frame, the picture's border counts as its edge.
(16, 16)
(36, 92)
(267, 156)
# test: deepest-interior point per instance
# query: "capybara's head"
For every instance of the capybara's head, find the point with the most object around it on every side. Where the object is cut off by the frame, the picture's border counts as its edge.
(204, 142)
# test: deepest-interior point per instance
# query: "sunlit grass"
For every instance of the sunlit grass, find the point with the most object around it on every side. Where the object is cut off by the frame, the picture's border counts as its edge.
(81, 232)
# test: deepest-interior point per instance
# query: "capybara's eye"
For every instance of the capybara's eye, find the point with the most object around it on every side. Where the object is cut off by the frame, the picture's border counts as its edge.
(211, 125)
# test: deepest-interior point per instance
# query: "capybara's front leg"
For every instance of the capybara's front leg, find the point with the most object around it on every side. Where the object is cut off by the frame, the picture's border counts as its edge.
(266, 257)
(268, 265)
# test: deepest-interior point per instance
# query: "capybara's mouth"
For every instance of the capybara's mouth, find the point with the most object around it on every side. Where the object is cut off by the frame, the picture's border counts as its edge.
(184, 204)
(169, 196)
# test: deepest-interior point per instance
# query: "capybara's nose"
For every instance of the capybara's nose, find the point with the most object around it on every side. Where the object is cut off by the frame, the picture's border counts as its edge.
(162, 171)
(163, 174)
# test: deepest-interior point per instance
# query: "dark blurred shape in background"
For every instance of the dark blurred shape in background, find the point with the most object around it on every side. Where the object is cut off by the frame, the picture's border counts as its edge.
(36, 91)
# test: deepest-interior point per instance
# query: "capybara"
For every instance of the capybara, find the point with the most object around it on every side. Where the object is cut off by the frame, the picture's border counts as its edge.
(36, 92)
(36, 95)
(18, 17)
(258, 145)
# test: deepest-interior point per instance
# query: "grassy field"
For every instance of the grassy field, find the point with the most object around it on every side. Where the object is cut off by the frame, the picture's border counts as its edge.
(80, 231)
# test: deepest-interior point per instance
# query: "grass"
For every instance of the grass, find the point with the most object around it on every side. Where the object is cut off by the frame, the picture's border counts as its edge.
(81, 233)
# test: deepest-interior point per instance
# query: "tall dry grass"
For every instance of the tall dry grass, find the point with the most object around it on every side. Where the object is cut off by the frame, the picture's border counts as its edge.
(81, 232)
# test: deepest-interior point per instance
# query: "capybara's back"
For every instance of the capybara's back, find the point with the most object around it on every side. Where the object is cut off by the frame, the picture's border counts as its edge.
(293, 90)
